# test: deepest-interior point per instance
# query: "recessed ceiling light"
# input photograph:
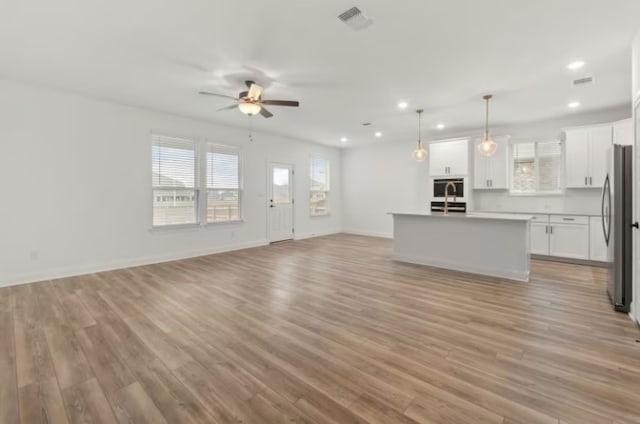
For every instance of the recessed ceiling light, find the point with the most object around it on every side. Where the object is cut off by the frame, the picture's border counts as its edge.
(574, 66)
(403, 105)
(574, 105)
(440, 126)
(343, 139)
(378, 134)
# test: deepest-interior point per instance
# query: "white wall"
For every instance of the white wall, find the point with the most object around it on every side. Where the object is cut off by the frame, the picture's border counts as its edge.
(76, 186)
(383, 177)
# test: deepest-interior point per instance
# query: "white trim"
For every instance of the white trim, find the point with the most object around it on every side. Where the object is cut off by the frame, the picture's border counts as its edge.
(369, 234)
(314, 235)
(125, 263)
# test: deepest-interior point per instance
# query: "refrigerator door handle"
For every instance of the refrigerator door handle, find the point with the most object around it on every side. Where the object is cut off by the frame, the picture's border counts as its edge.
(606, 218)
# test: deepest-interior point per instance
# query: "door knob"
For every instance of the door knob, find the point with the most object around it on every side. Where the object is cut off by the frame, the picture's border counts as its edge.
(272, 206)
(635, 225)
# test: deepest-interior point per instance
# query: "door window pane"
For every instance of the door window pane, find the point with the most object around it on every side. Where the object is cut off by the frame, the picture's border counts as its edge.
(281, 189)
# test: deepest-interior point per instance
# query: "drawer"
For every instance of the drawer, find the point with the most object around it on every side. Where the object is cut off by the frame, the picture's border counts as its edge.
(539, 218)
(569, 219)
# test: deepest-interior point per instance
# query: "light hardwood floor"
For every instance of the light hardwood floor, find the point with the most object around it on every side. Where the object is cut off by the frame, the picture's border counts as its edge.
(325, 330)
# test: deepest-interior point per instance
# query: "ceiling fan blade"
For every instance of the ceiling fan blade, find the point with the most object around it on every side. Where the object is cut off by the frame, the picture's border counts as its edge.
(227, 108)
(292, 103)
(264, 112)
(255, 91)
(206, 93)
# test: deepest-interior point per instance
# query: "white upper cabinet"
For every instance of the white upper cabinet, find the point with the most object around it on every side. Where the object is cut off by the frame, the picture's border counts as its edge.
(623, 132)
(600, 140)
(491, 172)
(577, 158)
(586, 156)
(449, 157)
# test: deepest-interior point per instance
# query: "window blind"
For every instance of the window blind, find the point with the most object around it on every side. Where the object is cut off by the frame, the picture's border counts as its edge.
(537, 167)
(319, 187)
(319, 174)
(173, 162)
(223, 183)
(549, 165)
(173, 165)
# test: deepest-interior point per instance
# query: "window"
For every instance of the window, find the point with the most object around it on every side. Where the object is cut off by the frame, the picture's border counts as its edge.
(536, 167)
(180, 167)
(319, 187)
(223, 184)
(173, 167)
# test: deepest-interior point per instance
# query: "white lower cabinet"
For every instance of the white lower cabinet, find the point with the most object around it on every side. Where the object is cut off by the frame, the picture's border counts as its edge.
(539, 238)
(569, 240)
(565, 236)
(597, 244)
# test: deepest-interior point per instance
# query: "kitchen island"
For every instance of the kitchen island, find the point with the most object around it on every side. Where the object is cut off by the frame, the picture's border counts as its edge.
(490, 244)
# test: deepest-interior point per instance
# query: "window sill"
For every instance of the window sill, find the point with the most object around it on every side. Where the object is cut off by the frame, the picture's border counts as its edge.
(223, 223)
(320, 215)
(162, 228)
(178, 227)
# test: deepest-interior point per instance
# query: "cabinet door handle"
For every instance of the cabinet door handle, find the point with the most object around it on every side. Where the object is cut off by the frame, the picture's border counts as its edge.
(585, 180)
(568, 219)
(546, 229)
(550, 229)
(491, 183)
(590, 180)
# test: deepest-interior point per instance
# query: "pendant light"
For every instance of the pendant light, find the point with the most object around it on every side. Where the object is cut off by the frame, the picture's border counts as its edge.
(487, 146)
(419, 154)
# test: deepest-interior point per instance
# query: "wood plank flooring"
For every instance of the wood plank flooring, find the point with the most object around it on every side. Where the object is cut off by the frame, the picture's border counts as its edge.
(325, 330)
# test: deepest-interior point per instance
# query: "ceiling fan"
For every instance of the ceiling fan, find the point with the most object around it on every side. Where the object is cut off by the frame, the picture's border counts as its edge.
(251, 102)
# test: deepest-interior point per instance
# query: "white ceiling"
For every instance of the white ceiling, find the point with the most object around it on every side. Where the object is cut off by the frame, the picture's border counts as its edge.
(436, 54)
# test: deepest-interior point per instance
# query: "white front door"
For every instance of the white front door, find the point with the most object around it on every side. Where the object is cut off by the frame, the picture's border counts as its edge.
(280, 202)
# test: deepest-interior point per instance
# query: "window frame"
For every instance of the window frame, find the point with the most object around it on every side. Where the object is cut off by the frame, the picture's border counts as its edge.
(327, 191)
(537, 192)
(200, 182)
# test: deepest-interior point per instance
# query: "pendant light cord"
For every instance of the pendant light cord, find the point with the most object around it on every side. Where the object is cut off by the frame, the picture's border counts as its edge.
(419, 111)
(486, 121)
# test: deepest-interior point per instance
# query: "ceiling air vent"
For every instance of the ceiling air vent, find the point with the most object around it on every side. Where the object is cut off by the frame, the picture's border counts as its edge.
(355, 19)
(583, 81)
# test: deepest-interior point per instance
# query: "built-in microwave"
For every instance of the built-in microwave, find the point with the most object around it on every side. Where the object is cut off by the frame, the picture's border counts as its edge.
(439, 186)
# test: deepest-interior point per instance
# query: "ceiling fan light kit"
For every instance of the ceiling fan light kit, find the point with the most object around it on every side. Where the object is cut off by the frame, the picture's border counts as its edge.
(487, 146)
(251, 102)
(249, 108)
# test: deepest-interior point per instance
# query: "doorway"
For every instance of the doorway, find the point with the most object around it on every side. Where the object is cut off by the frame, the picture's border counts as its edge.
(280, 202)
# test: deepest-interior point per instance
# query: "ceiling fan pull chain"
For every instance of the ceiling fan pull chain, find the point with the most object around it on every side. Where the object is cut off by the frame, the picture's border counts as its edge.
(250, 129)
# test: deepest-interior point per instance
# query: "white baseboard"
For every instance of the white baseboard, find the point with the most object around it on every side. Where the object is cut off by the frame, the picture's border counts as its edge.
(312, 235)
(119, 264)
(368, 233)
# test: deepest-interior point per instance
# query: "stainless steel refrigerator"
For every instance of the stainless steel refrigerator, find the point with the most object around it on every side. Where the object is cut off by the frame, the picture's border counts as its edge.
(617, 210)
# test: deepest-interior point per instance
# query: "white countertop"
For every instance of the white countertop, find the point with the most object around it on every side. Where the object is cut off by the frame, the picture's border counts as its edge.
(469, 215)
(542, 213)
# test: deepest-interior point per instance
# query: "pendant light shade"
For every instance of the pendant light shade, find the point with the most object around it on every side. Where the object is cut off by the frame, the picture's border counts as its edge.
(487, 146)
(419, 154)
